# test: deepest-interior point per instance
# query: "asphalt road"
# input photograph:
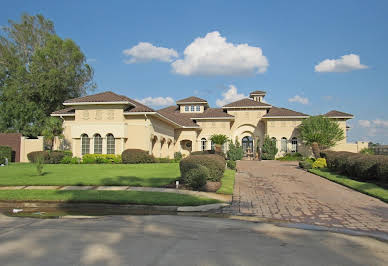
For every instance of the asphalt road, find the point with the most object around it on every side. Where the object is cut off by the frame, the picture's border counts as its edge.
(177, 240)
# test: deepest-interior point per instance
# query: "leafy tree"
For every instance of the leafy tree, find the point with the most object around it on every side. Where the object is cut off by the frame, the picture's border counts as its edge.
(52, 128)
(38, 71)
(269, 149)
(320, 132)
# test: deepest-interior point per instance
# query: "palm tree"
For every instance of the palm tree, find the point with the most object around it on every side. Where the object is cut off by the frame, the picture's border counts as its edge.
(52, 128)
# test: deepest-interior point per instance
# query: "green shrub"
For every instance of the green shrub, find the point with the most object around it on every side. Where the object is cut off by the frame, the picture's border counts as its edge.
(231, 164)
(136, 156)
(75, 160)
(55, 157)
(295, 156)
(164, 160)
(214, 163)
(101, 158)
(5, 152)
(68, 153)
(178, 156)
(33, 156)
(235, 151)
(367, 151)
(39, 161)
(206, 152)
(319, 163)
(382, 168)
(305, 165)
(196, 177)
(66, 159)
(269, 149)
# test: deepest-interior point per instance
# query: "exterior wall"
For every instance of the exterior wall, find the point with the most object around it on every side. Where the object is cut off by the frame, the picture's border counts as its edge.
(139, 132)
(183, 136)
(163, 140)
(12, 140)
(29, 145)
(210, 127)
(350, 147)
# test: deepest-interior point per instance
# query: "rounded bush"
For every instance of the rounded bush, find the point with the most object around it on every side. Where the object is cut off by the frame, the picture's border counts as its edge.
(136, 156)
(56, 157)
(33, 156)
(214, 163)
(196, 177)
(231, 164)
(319, 163)
(305, 165)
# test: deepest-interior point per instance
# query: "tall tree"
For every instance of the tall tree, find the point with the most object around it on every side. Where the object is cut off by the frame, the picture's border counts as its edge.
(38, 71)
(320, 132)
(52, 128)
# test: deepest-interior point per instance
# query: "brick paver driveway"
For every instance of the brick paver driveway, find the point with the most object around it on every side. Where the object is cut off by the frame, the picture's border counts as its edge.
(281, 191)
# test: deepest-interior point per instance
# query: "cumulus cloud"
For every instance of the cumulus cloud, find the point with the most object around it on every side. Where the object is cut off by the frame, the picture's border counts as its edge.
(380, 123)
(213, 55)
(299, 99)
(364, 123)
(157, 101)
(344, 64)
(373, 123)
(231, 95)
(144, 52)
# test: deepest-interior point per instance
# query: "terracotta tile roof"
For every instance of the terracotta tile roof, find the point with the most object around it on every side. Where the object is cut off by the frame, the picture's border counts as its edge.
(276, 111)
(246, 103)
(212, 113)
(257, 92)
(192, 99)
(335, 113)
(109, 96)
(65, 111)
(174, 115)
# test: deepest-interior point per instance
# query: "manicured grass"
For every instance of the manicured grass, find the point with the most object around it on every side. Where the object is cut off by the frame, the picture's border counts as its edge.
(364, 187)
(145, 175)
(94, 196)
(227, 182)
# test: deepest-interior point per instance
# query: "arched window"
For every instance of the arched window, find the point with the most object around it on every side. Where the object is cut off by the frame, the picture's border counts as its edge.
(212, 146)
(283, 146)
(110, 144)
(203, 144)
(294, 145)
(97, 144)
(85, 144)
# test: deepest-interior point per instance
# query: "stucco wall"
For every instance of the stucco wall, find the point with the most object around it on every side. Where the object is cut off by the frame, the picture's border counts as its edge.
(210, 127)
(29, 145)
(163, 138)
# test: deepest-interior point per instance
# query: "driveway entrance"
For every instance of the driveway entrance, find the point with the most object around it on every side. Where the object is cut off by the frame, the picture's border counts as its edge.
(281, 191)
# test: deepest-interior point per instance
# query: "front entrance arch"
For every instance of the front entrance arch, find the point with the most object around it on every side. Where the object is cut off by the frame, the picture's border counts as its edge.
(247, 145)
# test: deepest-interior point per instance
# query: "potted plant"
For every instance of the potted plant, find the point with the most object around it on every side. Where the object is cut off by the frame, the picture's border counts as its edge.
(218, 140)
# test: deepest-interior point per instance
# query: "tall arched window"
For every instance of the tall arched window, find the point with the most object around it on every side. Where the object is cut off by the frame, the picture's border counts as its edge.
(294, 145)
(97, 144)
(212, 147)
(284, 145)
(85, 144)
(110, 144)
(203, 144)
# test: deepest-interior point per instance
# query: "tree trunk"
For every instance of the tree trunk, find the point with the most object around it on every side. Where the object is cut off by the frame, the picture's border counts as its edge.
(316, 150)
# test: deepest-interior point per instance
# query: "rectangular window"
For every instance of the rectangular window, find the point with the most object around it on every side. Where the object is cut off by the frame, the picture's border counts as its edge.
(192, 108)
(186, 108)
(198, 108)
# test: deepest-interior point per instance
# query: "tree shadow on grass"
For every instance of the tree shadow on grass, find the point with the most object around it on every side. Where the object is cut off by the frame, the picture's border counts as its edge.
(137, 181)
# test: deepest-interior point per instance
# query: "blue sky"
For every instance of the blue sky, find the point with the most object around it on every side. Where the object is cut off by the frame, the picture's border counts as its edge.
(228, 44)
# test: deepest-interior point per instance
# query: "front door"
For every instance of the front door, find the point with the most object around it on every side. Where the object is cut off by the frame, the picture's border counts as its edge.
(247, 145)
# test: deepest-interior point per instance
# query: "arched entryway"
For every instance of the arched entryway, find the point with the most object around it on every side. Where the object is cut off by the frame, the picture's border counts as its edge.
(247, 145)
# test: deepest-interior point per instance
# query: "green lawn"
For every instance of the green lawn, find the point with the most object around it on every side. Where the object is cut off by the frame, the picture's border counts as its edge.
(227, 182)
(95, 196)
(364, 187)
(145, 175)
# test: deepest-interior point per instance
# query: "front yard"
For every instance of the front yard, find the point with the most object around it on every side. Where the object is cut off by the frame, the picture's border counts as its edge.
(141, 175)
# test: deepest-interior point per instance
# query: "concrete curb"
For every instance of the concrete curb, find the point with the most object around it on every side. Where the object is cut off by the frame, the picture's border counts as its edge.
(202, 208)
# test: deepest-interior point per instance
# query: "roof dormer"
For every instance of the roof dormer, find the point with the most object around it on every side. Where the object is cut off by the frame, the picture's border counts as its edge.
(192, 105)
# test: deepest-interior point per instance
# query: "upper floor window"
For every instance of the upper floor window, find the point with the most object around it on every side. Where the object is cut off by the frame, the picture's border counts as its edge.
(192, 108)
(198, 108)
(186, 108)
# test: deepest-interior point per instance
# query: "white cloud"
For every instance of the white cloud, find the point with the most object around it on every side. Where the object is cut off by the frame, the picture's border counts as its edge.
(299, 99)
(157, 101)
(91, 60)
(144, 52)
(364, 123)
(212, 55)
(229, 96)
(380, 123)
(344, 64)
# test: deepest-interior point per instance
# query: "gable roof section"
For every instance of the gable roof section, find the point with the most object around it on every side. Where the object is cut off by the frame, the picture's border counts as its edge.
(246, 103)
(191, 99)
(338, 114)
(283, 112)
(173, 113)
(212, 113)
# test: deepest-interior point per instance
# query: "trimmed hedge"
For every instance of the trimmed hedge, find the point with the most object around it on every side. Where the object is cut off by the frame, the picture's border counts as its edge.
(35, 155)
(208, 152)
(136, 156)
(101, 158)
(214, 163)
(362, 166)
(196, 177)
(5, 152)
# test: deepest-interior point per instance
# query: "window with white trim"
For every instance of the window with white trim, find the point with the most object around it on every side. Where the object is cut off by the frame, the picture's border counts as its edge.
(283, 146)
(186, 108)
(97, 144)
(294, 145)
(110, 144)
(192, 108)
(198, 108)
(85, 144)
(212, 146)
(203, 144)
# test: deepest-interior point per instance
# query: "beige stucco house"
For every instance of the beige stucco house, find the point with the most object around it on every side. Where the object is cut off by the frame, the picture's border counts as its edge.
(108, 123)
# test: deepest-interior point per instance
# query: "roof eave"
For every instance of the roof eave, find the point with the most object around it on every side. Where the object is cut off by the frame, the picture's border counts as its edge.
(94, 103)
(62, 115)
(234, 107)
(295, 116)
(222, 118)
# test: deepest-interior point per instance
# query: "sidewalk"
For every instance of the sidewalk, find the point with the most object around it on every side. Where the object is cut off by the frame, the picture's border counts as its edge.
(211, 195)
